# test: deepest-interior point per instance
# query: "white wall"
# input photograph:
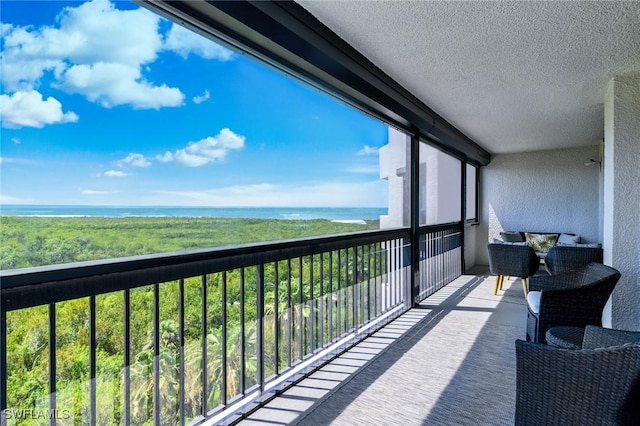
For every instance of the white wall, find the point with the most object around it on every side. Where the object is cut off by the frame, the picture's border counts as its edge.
(470, 244)
(394, 158)
(440, 184)
(621, 216)
(544, 191)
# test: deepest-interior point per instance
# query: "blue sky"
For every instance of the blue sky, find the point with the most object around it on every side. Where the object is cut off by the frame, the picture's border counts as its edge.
(105, 103)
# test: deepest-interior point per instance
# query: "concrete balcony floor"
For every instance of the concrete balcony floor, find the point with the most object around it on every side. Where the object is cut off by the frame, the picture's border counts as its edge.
(450, 361)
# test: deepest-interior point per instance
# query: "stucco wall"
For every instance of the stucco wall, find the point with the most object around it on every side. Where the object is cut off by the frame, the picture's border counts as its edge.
(621, 217)
(544, 191)
(470, 243)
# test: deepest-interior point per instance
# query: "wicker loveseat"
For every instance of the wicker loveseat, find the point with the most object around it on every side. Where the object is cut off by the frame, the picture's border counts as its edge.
(562, 259)
(597, 384)
(542, 242)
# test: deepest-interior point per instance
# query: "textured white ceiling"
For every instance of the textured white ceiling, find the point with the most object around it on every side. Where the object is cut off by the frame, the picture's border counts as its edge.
(514, 76)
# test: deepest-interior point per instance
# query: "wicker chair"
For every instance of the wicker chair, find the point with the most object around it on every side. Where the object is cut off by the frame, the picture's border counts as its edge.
(597, 384)
(507, 260)
(573, 299)
(564, 259)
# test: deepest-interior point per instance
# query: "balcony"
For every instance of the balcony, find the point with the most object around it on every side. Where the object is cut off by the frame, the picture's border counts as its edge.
(422, 338)
(184, 362)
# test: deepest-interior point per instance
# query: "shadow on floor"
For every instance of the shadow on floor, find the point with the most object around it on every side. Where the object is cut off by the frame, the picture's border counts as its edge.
(456, 366)
(450, 361)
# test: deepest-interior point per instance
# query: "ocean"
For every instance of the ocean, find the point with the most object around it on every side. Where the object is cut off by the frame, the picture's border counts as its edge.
(301, 213)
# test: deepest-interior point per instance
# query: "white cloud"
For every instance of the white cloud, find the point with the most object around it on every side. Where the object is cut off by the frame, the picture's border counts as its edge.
(115, 173)
(4, 28)
(29, 109)
(8, 199)
(368, 150)
(183, 42)
(200, 99)
(113, 84)
(251, 189)
(16, 141)
(165, 158)
(96, 31)
(26, 57)
(311, 194)
(90, 52)
(134, 160)
(208, 150)
(97, 192)
(13, 160)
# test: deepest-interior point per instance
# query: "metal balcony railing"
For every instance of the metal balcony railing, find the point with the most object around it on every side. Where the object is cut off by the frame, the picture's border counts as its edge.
(195, 337)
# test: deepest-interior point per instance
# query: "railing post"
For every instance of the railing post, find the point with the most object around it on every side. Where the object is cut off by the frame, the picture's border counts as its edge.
(260, 324)
(205, 356)
(127, 358)
(156, 354)
(52, 360)
(223, 354)
(301, 304)
(414, 165)
(3, 363)
(276, 317)
(354, 286)
(92, 362)
(181, 315)
(330, 297)
(243, 334)
(290, 322)
(463, 212)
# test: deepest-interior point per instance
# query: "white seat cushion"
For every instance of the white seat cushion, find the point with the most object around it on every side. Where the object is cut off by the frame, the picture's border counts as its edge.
(533, 300)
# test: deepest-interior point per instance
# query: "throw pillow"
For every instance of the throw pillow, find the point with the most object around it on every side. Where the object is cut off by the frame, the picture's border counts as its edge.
(518, 243)
(568, 239)
(511, 236)
(587, 245)
(541, 243)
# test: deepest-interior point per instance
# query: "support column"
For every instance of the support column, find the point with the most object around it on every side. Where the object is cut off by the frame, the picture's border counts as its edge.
(621, 212)
(414, 164)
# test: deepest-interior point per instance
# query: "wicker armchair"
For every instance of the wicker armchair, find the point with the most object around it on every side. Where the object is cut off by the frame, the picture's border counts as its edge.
(590, 336)
(597, 384)
(573, 299)
(564, 259)
(507, 260)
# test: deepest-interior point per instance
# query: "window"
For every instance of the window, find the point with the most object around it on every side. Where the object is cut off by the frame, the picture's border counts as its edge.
(173, 140)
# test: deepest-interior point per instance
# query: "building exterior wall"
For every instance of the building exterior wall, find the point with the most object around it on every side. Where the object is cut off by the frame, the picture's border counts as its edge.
(440, 183)
(394, 160)
(544, 191)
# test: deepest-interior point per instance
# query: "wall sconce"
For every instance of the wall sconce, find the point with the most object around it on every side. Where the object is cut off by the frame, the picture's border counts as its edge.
(593, 162)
